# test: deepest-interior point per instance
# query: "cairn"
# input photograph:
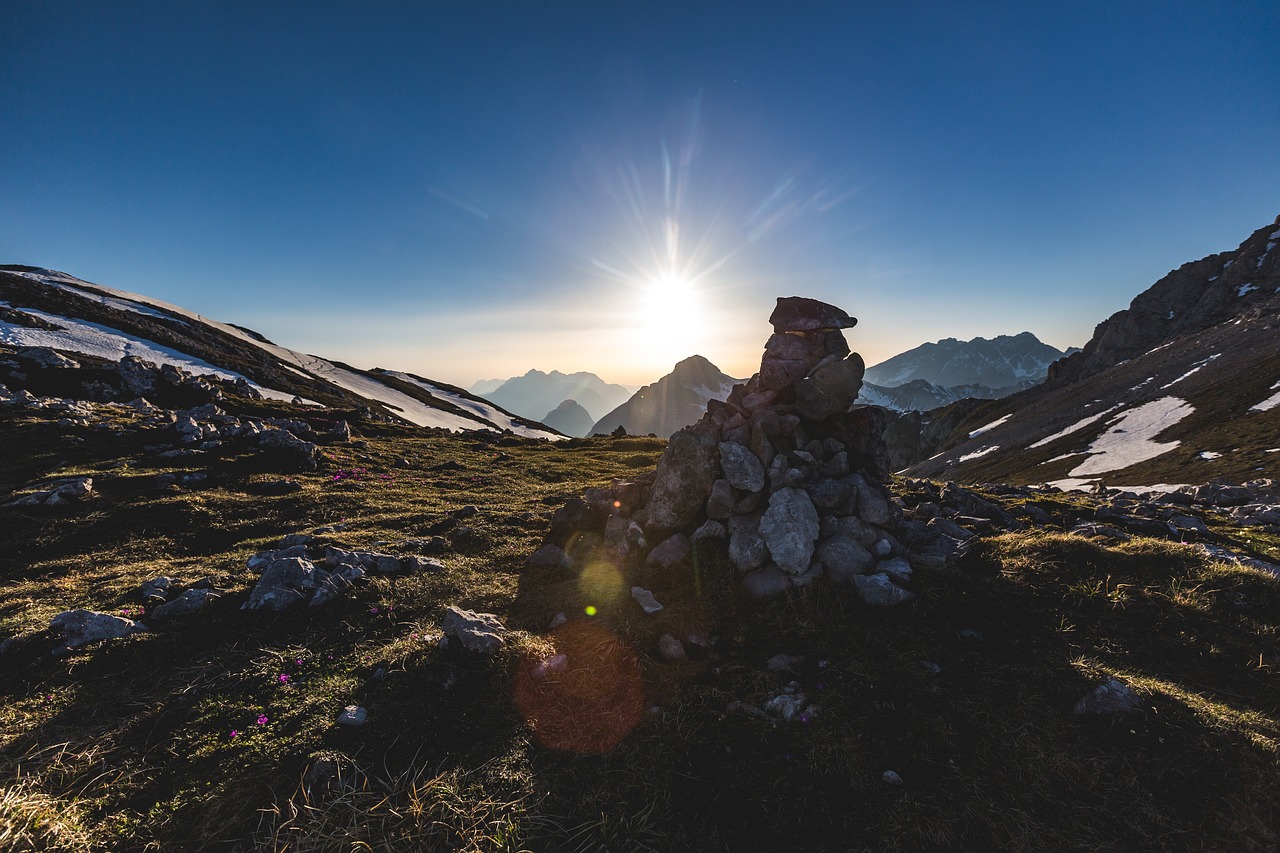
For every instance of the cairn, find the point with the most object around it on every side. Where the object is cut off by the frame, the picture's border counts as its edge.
(784, 470)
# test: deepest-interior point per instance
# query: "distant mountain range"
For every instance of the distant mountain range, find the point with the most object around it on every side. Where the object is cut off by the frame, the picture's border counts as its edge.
(936, 374)
(674, 401)
(536, 394)
(45, 308)
(1181, 387)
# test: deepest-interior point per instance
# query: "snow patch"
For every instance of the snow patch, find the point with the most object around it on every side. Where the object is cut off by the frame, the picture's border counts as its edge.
(982, 451)
(1209, 455)
(1129, 438)
(1213, 278)
(483, 410)
(980, 430)
(110, 344)
(1247, 287)
(1194, 369)
(1078, 425)
(1269, 403)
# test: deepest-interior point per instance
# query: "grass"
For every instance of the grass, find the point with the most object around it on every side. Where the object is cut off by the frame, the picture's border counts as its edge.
(128, 746)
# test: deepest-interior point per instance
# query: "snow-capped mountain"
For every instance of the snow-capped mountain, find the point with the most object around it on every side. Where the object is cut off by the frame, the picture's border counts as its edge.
(46, 308)
(1181, 387)
(921, 396)
(1011, 362)
(674, 401)
(536, 393)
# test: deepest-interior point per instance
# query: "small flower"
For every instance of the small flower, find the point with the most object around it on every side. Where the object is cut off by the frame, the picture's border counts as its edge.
(283, 678)
(262, 719)
(298, 661)
(235, 733)
(373, 610)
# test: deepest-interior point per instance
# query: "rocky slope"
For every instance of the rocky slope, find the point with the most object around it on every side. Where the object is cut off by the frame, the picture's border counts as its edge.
(1184, 386)
(43, 309)
(673, 402)
(921, 396)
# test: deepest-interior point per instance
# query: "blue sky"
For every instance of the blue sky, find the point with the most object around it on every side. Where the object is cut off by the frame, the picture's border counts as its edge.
(472, 189)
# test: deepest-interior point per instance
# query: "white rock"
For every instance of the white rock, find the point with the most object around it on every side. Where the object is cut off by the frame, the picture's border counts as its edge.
(646, 600)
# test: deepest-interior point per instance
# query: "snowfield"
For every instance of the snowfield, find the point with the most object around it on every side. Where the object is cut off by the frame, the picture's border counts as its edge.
(483, 410)
(1129, 438)
(1075, 427)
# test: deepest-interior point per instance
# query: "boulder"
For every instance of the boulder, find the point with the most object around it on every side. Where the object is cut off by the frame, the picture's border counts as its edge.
(741, 467)
(285, 582)
(878, 591)
(82, 627)
(1111, 697)
(184, 605)
(790, 529)
(683, 479)
(831, 389)
(801, 314)
(478, 632)
(747, 550)
(673, 551)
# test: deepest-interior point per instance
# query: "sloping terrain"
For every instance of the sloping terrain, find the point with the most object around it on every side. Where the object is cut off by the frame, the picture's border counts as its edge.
(45, 308)
(1180, 388)
(944, 724)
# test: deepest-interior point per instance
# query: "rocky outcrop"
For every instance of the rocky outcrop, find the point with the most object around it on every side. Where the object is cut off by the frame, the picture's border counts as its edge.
(783, 468)
(1190, 299)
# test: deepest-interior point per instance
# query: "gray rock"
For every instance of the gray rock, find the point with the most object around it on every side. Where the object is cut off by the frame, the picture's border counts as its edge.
(891, 777)
(549, 557)
(786, 706)
(671, 552)
(646, 600)
(872, 506)
(156, 589)
(81, 627)
(830, 389)
(295, 539)
(478, 632)
(184, 605)
(844, 557)
(789, 528)
(285, 582)
(747, 550)
(670, 648)
(417, 563)
(353, 716)
(898, 569)
(783, 662)
(683, 478)
(1111, 697)
(878, 591)
(741, 467)
(767, 583)
(721, 500)
(710, 529)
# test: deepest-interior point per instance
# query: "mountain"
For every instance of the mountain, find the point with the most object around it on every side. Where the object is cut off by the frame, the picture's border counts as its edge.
(1181, 387)
(45, 308)
(570, 419)
(1004, 362)
(537, 393)
(485, 386)
(921, 396)
(674, 401)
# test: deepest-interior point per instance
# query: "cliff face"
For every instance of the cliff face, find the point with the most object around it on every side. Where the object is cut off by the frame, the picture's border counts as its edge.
(1196, 296)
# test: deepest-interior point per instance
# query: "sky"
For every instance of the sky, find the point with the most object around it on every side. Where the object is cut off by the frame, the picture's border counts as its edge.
(468, 190)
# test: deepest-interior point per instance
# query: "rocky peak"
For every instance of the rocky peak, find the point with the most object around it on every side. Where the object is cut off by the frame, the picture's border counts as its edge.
(1196, 296)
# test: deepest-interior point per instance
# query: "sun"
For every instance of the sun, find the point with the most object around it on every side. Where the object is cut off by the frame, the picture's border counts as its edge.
(670, 317)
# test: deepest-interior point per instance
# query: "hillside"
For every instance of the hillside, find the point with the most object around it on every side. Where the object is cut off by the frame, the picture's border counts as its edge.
(1181, 387)
(49, 309)
(674, 401)
(944, 724)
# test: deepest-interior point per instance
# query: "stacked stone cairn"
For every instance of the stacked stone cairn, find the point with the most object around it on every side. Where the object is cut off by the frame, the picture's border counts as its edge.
(784, 470)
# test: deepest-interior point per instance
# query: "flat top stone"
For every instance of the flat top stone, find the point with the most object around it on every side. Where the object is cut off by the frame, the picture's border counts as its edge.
(801, 314)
